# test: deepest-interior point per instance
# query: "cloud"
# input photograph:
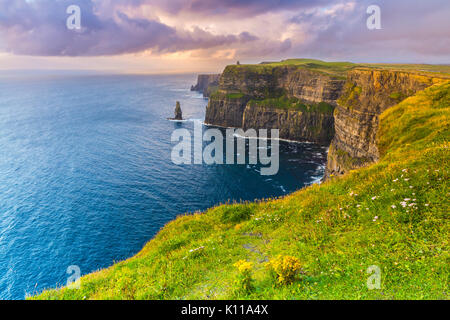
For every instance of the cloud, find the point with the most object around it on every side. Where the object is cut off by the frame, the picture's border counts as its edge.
(39, 28)
(412, 30)
(229, 8)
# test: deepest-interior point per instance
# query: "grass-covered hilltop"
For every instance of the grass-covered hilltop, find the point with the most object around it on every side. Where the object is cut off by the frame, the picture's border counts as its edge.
(384, 205)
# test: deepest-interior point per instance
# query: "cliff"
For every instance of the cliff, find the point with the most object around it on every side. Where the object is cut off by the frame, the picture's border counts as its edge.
(368, 93)
(245, 93)
(206, 84)
(285, 96)
(226, 109)
(316, 126)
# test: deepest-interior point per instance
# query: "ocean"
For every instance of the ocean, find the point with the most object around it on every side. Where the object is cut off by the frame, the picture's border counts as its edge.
(86, 177)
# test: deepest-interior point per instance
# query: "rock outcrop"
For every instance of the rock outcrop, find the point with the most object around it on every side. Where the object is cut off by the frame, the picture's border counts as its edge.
(206, 84)
(367, 93)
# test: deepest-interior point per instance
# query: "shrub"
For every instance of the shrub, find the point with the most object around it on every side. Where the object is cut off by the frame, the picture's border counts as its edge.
(236, 213)
(236, 95)
(243, 280)
(284, 268)
(397, 96)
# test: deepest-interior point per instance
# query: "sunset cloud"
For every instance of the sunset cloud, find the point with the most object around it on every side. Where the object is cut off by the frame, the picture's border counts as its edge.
(412, 30)
(39, 28)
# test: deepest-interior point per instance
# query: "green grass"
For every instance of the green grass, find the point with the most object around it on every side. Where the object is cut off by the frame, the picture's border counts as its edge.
(340, 69)
(218, 95)
(337, 69)
(292, 103)
(392, 214)
(237, 95)
(397, 96)
(442, 70)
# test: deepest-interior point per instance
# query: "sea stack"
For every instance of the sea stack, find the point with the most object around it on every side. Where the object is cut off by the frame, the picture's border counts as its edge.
(178, 113)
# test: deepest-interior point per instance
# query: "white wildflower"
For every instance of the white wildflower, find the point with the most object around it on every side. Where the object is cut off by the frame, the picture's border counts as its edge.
(196, 249)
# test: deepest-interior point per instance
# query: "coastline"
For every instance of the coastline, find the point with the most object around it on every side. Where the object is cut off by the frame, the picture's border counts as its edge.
(207, 245)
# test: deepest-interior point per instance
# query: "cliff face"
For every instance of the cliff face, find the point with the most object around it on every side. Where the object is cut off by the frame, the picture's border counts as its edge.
(225, 110)
(311, 86)
(206, 83)
(266, 81)
(239, 85)
(359, 95)
(366, 95)
(293, 125)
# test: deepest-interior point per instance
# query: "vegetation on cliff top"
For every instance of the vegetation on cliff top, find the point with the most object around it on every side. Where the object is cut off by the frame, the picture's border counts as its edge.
(292, 103)
(338, 69)
(217, 95)
(442, 70)
(319, 242)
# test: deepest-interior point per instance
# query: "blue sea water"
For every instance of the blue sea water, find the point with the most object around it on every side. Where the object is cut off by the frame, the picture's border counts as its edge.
(86, 176)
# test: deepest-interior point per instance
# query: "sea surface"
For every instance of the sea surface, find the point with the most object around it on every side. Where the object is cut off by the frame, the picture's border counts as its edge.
(86, 177)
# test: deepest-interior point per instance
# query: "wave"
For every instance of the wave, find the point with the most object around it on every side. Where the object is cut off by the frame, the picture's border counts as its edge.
(187, 120)
(317, 179)
(279, 139)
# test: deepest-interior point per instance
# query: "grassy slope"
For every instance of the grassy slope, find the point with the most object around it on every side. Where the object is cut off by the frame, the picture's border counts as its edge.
(332, 232)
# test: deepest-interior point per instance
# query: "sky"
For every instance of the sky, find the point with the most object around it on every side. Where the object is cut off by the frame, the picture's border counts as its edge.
(174, 36)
